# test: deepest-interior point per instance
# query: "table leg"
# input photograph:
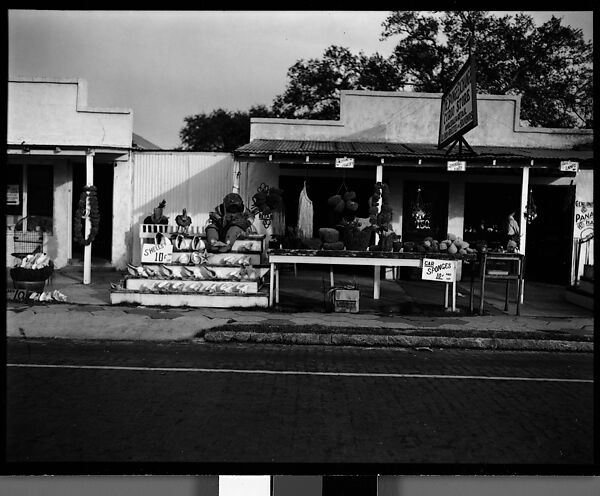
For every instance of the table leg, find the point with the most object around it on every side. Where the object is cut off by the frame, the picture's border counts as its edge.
(276, 285)
(331, 280)
(454, 295)
(471, 295)
(506, 296)
(482, 288)
(446, 295)
(271, 283)
(376, 282)
(519, 294)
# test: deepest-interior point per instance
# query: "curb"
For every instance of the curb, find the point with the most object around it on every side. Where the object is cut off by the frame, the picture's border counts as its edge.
(368, 340)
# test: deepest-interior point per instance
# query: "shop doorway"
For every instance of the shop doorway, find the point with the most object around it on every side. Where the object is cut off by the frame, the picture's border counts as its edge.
(487, 206)
(550, 236)
(432, 198)
(319, 189)
(103, 180)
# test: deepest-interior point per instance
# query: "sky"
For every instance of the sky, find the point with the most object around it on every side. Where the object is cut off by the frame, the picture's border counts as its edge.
(166, 65)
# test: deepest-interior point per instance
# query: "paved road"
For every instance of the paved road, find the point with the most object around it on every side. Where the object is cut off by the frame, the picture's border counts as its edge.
(109, 401)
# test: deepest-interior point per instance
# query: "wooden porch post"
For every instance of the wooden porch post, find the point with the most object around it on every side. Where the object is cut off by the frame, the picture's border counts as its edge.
(87, 251)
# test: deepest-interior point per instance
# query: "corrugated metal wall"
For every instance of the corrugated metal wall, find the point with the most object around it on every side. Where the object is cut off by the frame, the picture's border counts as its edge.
(197, 181)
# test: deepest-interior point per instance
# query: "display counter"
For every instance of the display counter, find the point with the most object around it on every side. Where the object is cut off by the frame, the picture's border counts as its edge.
(361, 258)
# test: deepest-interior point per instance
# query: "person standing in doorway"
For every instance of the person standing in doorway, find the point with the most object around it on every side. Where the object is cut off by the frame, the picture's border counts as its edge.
(513, 232)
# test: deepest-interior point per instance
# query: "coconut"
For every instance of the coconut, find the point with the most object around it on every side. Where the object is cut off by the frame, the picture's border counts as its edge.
(349, 195)
(341, 205)
(352, 205)
(332, 201)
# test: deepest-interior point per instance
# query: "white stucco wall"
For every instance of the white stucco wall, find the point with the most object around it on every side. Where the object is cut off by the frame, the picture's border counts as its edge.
(55, 112)
(414, 118)
(59, 245)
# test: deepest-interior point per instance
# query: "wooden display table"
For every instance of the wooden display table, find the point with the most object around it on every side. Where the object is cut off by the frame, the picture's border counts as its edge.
(360, 258)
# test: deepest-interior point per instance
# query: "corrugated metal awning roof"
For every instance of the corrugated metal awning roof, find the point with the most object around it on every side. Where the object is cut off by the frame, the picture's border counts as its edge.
(397, 150)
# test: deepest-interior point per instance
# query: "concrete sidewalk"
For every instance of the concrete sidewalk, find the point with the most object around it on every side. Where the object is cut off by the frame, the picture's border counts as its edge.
(547, 323)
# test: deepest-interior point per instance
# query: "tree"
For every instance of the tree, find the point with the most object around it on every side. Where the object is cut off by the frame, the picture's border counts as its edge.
(549, 65)
(314, 85)
(219, 131)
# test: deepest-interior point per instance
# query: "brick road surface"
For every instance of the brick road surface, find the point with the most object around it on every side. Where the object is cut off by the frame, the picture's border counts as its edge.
(116, 415)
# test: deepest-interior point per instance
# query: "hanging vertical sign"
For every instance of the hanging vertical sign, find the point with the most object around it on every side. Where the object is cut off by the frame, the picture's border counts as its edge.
(584, 219)
(459, 105)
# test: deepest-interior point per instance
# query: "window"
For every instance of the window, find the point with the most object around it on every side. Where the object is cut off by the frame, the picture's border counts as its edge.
(30, 194)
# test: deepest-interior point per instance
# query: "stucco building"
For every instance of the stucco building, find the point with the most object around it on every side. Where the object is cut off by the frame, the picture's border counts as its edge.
(395, 134)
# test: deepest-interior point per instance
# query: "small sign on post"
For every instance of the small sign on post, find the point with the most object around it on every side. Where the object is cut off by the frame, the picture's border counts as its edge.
(12, 194)
(438, 270)
(153, 253)
(569, 166)
(344, 163)
(457, 166)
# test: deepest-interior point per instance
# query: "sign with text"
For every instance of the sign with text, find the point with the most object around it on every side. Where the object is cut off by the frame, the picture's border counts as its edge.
(438, 270)
(12, 194)
(457, 165)
(344, 163)
(584, 219)
(459, 105)
(569, 166)
(152, 253)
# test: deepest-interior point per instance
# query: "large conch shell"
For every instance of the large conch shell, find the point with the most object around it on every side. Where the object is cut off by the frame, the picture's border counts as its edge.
(136, 271)
(167, 271)
(207, 273)
(197, 243)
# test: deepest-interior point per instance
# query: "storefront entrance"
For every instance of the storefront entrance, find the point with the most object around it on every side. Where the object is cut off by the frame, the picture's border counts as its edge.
(103, 180)
(319, 189)
(550, 235)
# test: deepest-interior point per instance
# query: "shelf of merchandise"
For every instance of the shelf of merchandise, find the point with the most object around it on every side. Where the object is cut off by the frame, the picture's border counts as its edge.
(223, 280)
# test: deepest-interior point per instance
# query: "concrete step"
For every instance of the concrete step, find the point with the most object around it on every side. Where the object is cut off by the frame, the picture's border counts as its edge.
(225, 286)
(579, 298)
(194, 272)
(226, 259)
(216, 300)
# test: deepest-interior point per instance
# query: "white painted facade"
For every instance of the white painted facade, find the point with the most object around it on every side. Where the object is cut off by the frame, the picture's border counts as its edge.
(50, 124)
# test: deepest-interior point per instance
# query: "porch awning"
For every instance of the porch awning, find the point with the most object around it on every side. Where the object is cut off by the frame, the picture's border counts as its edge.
(279, 149)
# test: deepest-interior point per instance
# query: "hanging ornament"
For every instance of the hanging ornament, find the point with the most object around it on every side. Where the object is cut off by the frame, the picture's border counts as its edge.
(419, 213)
(530, 209)
(260, 204)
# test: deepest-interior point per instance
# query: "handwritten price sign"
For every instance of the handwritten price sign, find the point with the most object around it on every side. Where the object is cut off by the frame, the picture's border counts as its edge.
(438, 270)
(152, 253)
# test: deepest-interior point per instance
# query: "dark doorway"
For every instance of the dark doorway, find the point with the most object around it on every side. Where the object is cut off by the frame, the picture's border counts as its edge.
(550, 236)
(319, 189)
(103, 180)
(434, 201)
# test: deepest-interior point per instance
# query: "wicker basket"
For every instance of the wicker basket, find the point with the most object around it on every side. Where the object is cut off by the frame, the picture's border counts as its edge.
(21, 274)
